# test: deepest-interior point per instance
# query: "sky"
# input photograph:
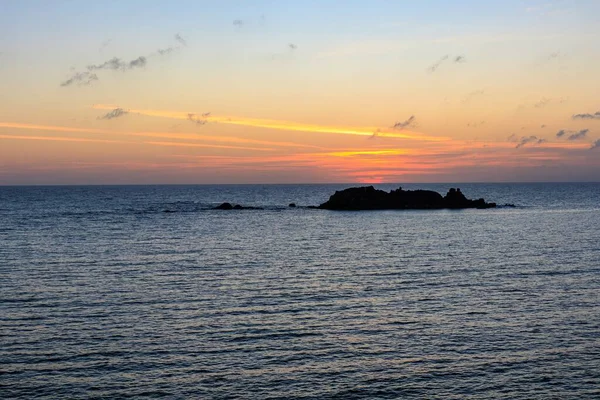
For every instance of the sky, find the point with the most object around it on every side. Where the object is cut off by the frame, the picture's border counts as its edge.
(145, 92)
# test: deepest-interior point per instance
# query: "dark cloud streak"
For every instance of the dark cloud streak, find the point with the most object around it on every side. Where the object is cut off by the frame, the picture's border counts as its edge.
(435, 66)
(118, 64)
(180, 39)
(596, 115)
(200, 120)
(164, 52)
(529, 139)
(579, 135)
(80, 79)
(573, 135)
(410, 122)
(116, 113)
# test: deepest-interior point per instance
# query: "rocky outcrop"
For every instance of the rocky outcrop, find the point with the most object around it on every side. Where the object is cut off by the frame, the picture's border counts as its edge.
(229, 206)
(369, 198)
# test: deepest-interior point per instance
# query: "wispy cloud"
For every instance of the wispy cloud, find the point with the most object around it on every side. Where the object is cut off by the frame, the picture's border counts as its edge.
(529, 140)
(475, 124)
(80, 79)
(138, 62)
(180, 39)
(116, 113)
(579, 135)
(410, 122)
(238, 22)
(595, 145)
(118, 64)
(455, 59)
(542, 103)
(437, 64)
(198, 119)
(164, 52)
(469, 96)
(573, 135)
(87, 77)
(596, 115)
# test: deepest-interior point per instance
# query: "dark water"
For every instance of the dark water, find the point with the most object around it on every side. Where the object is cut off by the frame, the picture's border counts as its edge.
(114, 292)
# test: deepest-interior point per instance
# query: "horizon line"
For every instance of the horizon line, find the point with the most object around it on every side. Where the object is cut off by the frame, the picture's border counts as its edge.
(292, 184)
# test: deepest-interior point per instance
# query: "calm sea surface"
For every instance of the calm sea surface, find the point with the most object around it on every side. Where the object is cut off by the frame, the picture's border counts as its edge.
(144, 292)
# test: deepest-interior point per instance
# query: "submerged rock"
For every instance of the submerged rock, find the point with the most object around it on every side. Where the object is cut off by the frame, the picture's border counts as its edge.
(369, 198)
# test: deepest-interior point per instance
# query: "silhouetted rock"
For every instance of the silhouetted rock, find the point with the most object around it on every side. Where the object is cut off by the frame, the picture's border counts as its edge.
(224, 206)
(369, 198)
(229, 206)
(455, 199)
(292, 205)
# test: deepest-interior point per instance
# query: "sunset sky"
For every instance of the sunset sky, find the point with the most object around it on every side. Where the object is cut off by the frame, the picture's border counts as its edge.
(299, 91)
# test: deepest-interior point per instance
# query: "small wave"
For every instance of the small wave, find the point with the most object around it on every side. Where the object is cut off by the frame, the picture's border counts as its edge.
(506, 206)
(510, 205)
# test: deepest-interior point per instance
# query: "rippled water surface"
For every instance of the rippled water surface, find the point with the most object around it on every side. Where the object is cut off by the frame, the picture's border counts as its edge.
(143, 291)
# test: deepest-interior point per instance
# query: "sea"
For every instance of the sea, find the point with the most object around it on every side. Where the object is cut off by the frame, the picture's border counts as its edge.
(110, 292)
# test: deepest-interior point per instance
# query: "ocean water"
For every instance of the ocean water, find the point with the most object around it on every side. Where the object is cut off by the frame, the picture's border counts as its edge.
(145, 292)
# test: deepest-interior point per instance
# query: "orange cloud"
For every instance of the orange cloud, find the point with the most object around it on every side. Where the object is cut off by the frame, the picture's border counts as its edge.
(15, 125)
(285, 125)
(226, 139)
(213, 146)
(59, 139)
(229, 139)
